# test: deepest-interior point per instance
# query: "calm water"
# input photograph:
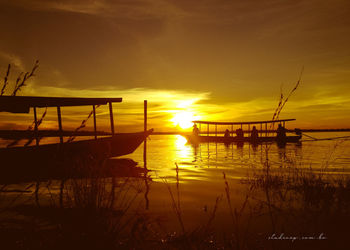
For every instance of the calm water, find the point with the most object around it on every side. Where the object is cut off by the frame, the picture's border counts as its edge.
(208, 161)
(203, 166)
(201, 169)
(201, 173)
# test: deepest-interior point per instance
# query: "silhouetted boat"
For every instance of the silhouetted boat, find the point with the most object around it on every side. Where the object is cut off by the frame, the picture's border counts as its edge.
(49, 158)
(221, 139)
(51, 154)
(264, 135)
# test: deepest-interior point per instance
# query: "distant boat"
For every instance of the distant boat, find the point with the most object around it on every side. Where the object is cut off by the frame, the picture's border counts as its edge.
(51, 158)
(263, 135)
(221, 139)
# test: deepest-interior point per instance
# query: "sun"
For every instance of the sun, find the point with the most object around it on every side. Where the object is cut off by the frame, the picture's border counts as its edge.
(183, 119)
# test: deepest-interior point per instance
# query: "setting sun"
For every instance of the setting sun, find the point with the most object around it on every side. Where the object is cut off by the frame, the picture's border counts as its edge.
(183, 119)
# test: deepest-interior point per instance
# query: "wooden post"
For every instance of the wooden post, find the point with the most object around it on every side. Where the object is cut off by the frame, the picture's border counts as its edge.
(145, 115)
(208, 129)
(260, 129)
(232, 130)
(145, 153)
(199, 128)
(266, 129)
(111, 117)
(94, 113)
(216, 130)
(36, 127)
(59, 123)
(145, 129)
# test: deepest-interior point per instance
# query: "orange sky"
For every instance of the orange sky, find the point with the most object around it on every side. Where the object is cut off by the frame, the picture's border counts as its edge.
(217, 60)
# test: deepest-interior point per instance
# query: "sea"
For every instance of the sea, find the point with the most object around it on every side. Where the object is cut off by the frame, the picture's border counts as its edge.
(200, 173)
(198, 180)
(321, 152)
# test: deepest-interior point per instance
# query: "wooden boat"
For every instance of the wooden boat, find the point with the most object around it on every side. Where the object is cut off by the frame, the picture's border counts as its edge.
(221, 139)
(263, 135)
(60, 157)
(111, 146)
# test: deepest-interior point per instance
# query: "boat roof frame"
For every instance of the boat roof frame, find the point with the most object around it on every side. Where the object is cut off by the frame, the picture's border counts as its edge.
(242, 123)
(22, 104)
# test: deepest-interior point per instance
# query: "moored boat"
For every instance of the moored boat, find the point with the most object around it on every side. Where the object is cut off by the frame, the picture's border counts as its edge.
(234, 139)
(58, 159)
(267, 133)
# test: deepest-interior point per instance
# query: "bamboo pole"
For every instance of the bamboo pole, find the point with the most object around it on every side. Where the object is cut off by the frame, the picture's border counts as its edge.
(145, 154)
(145, 115)
(59, 123)
(145, 129)
(95, 128)
(36, 127)
(111, 117)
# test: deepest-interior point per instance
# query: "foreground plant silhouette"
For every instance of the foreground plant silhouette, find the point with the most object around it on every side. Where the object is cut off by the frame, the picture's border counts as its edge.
(21, 80)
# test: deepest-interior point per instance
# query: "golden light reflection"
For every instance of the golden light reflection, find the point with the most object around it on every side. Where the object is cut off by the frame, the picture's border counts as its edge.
(184, 153)
(181, 143)
(183, 150)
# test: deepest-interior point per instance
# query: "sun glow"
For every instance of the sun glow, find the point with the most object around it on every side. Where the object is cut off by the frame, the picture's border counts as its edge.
(183, 119)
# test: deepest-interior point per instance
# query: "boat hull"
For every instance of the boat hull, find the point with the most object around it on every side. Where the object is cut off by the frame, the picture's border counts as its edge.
(63, 159)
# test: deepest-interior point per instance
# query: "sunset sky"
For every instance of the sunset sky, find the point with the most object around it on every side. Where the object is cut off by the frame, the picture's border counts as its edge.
(210, 60)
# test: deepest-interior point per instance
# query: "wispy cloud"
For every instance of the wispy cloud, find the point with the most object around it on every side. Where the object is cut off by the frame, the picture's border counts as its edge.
(232, 54)
(87, 7)
(129, 9)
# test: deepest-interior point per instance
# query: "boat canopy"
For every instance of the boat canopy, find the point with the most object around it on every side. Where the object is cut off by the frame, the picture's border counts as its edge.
(22, 104)
(242, 123)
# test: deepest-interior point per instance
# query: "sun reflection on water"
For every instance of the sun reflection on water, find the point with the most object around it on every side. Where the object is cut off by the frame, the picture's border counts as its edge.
(207, 162)
(183, 156)
(183, 150)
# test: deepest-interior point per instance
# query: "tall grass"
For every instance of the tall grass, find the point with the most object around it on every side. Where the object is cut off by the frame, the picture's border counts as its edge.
(240, 227)
(97, 211)
(200, 237)
(21, 80)
(176, 204)
(5, 80)
(282, 101)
